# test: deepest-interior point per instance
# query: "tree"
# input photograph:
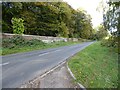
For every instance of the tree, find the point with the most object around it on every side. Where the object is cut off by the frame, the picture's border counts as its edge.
(101, 33)
(112, 21)
(84, 25)
(9, 10)
(48, 19)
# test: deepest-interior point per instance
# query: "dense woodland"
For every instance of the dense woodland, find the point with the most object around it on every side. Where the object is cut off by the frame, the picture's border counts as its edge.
(48, 19)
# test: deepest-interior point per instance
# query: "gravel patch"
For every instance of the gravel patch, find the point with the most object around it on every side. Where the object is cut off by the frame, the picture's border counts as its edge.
(59, 78)
(56, 78)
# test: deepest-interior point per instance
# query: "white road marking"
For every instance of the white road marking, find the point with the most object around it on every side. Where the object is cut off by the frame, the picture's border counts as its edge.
(4, 64)
(56, 50)
(43, 54)
(48, 52)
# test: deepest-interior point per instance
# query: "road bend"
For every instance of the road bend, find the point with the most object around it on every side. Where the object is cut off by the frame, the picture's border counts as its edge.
(22, 67)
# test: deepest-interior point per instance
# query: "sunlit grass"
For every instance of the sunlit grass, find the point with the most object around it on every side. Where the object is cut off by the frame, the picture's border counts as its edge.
(96, 67)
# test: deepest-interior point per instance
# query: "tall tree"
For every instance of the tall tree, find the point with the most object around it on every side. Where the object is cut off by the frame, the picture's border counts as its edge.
(9, 10)
(84, 25)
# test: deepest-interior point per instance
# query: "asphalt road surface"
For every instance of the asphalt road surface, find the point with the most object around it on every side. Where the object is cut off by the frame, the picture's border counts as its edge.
(22, 67)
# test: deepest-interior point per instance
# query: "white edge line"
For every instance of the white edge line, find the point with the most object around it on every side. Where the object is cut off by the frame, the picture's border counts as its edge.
(70, 72)
(51, 70)
(81, 86)
(4, 64)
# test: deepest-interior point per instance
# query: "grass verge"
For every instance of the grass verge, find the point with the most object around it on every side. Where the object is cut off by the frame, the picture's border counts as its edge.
(95, 67)
(39, 46)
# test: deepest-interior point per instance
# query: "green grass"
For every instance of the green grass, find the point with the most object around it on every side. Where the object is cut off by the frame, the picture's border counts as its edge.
(25, 48)
(95, 67)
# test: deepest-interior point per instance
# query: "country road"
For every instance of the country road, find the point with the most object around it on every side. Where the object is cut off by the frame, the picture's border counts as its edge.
(22, 67)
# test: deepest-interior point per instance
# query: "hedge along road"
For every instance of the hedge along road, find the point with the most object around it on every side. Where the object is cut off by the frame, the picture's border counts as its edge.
(22, 67)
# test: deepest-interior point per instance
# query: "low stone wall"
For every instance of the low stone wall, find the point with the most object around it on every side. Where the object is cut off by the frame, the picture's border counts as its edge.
(46, 39)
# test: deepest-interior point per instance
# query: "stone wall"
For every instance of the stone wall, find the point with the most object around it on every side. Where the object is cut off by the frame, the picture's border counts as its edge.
(46, 39)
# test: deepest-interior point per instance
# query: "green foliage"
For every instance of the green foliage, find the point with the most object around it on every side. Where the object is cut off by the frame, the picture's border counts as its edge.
(47, 19)
(19, 41)
(101, 33)
(109, 42)
(6, 43)
(84, 25)
(12, 42)
(18, 27)
(5, 27)
(112, 42)
(63, 30)
(34, 42)
(9, 10)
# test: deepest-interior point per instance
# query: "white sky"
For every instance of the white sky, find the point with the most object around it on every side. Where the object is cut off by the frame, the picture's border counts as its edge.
(90, 6)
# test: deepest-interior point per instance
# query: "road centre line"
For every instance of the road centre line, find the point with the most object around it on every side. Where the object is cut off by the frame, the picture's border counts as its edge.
(4, 64)
(48, 52)
(43, 54)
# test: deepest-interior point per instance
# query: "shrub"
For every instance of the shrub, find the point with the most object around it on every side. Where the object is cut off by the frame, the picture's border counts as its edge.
(111, 42)
(19, 41)
(18, 27)
(34, 42)
(6, 43)
(12, 42)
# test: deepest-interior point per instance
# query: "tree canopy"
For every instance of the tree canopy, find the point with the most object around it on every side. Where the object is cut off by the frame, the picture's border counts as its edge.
(48, 19)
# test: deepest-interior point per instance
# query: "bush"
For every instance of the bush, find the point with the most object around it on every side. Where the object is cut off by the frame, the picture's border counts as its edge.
(18, 27)
(34, 42)
(18, 41)
(12, 42)
(112, 42)
(6, 43)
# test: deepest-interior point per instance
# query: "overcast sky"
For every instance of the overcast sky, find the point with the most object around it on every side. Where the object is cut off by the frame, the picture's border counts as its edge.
(90, 6)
